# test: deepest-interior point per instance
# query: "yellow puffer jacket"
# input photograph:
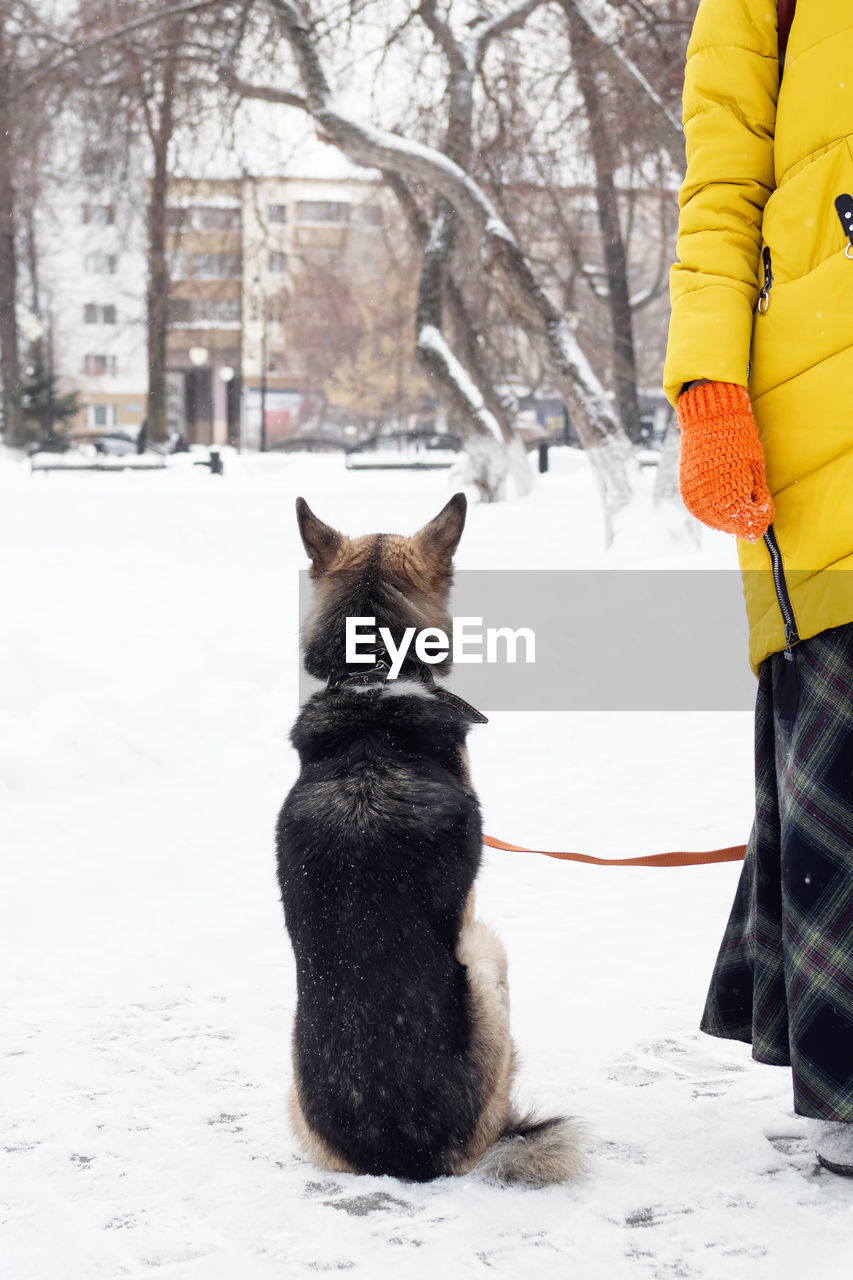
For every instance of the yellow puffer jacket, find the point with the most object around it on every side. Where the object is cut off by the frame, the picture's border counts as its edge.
(761, 185)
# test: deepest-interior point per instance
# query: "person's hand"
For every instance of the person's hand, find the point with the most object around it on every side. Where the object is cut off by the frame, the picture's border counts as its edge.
(722, 463)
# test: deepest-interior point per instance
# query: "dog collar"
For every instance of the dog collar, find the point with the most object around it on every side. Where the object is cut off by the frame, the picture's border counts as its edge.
(364, 677)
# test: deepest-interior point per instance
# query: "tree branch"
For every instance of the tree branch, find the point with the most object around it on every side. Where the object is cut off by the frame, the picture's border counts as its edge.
(427, 11)
(669, 132)
(244, 89)
(83, 47)
(487, 29)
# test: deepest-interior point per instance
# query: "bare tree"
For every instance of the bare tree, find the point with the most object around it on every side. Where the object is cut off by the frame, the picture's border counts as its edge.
(158, 70)
(9, 357)
(528, 302)
(604, 155)
(26, 40)
(468, 336)
(481, 418)
(596, 104)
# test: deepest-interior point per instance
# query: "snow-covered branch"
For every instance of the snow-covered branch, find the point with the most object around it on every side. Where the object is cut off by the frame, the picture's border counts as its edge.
(489, 459)
(431, 343)
(465, 334)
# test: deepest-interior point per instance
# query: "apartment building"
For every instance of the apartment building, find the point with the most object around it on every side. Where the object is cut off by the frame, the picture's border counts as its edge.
(243, 255)
(308, 246)
(93, 273)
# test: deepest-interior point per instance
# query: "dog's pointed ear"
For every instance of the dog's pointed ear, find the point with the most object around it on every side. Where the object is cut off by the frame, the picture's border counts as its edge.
(320, 540)
(439, 539)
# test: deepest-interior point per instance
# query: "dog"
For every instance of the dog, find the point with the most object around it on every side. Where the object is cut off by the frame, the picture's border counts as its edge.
(403, 1062)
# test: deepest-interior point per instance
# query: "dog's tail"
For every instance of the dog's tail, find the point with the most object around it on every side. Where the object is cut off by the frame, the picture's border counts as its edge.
(533, 1153)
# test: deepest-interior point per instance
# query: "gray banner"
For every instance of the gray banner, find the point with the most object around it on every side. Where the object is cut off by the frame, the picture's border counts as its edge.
(602, 640)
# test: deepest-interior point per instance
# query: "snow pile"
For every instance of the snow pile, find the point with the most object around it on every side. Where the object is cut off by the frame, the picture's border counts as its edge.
(148, 647)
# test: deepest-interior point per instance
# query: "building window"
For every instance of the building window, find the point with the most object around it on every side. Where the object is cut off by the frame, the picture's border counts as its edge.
(277, 213)
(277, 263)
(312, 211)
(98, 215)
(174, 218)
(100, 264)
(371, 215)
(101, 416)
(179, 264)
(216, 266)
(97, 365)
(190, 311)
(98, 313)
(215, 219)
(586, 216)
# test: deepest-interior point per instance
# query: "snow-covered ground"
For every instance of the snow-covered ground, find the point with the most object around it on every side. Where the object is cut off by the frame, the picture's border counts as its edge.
(148, 651)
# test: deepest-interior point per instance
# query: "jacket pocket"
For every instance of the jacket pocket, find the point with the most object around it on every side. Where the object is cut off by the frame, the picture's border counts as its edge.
(800, 224)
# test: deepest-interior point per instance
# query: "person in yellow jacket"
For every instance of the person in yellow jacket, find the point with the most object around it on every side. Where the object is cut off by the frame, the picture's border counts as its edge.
(760, 368)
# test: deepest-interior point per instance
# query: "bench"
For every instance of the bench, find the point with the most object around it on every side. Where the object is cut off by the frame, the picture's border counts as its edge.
(404, 451)
(114, 451)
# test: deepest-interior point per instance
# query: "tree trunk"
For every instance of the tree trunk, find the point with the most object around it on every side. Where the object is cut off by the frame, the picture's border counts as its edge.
(464, 329)
(158, 267)
(616, 267)
(492, 447)
(10, 371)
(157, 301)
(483, 445)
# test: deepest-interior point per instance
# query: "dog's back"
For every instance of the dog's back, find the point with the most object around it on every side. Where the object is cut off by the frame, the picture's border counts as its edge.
(379, 844)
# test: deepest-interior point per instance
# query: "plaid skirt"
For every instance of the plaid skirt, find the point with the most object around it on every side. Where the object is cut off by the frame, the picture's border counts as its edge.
(783, 980)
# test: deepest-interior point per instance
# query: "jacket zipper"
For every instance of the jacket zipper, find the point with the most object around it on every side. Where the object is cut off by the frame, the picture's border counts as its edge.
(792, 635)
(764, 295)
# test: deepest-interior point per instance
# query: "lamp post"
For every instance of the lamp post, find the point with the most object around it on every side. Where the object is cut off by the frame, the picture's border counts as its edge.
(264, 386)
(227, 373)
(262, 309)
(198, 358)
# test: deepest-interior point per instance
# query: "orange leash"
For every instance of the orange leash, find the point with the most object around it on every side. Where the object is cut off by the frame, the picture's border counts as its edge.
(680, 858)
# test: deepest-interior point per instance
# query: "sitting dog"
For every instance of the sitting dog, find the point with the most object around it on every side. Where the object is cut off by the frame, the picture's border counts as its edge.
(403, 1060)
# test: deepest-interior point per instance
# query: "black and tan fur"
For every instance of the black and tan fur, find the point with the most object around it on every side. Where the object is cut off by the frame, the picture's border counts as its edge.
(402, 1054)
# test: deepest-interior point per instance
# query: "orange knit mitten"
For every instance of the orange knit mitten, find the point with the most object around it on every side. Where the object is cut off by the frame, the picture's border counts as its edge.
(722, 462)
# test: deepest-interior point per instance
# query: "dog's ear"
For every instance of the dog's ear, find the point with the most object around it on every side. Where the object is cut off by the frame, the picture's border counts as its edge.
(321, 541)
(439, 539)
